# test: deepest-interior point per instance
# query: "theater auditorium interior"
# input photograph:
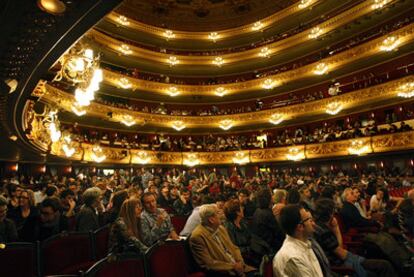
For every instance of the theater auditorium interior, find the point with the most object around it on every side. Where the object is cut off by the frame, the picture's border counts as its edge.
(197, 138)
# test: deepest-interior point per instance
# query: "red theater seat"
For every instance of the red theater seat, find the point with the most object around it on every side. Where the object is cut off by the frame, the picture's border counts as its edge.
(117, 266)
(266, 267)
(178, 222)
(101, 242)
(19, 259)
(170, 258)
(66, 253)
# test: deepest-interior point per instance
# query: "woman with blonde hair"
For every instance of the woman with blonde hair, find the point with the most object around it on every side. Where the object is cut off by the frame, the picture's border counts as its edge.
(126, 230)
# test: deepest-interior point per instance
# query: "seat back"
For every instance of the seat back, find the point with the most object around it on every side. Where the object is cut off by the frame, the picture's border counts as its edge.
(178, 222)
(266, 267)
(168, 258)
(101, 242)
(66, 253)
(19, 259)
(121, 265)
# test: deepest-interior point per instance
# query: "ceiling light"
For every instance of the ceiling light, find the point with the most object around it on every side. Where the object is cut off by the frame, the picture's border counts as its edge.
(257, 26)
(128, 120)
(226, 124)
(178, 125)
(406, 90)
(276, 118)
(315, 32)
(320, 69)
(173, 91)
(124, 83)
(213, 36)
(264, 52)
(220, 91)
(295, 154)
(169, 34)
(389, 44)
(172, 60)
(333, 108)
(218, 61)
(122, 20)
(55, 7)
(124, 49)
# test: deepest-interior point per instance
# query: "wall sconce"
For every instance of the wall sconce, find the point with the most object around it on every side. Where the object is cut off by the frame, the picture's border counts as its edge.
(178, 125)
(124, 49)
(220, 91)
(172, 60)
(294, 154)
(191, 160)
(407, 90)
(226, 124)
(304, 3)
(122, 20)
(264, 52)
(128, 120)
(218, 61)
(321, 68)
(97, 154)
(333, 108)
(276, 119)
(269, 84)
(241, 158)
(173, 91)
(124, 83)
(389, 44)
(358, 148)
(214, 36)
(142, 157)
(379, 4)
(315, 33)
(257, 26)
(69, 151)
(169, 34)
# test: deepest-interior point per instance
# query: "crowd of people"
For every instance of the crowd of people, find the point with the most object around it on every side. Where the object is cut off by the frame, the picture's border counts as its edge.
(325, 132)
(232, 220)
(373, 33)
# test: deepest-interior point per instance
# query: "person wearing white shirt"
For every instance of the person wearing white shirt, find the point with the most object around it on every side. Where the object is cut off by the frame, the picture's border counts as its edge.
(296, 258)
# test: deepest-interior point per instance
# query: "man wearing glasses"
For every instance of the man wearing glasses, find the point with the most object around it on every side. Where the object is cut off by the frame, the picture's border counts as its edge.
(299, 256)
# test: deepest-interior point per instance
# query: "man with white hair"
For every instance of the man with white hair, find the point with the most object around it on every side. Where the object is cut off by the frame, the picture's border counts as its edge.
(212, 247)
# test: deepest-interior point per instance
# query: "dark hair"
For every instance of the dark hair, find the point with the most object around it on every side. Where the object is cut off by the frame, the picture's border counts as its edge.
(66, 192)
(146, 194)
(244, 191)
(264, 198)
(184, 190)
(231, 208)
(289, 218)
(324, 208)
(52, 202)
(118, 199)
(328, 192)
(293, 197)
(51, 190)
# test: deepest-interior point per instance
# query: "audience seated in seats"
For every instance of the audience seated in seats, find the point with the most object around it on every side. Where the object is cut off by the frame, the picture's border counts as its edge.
(248, 206)
(164, 201)
(8, 232)
(194, 218)
(212, 247)
(26, 210)
(156, 223)
(184, 204)
(360, 204)
(117, 199)
(406, 212)
(237, 227)
(329, 237)
(299, 256)
(50, 222)
(68, 203)
(88, 217)
(350, 214)
(126, 235)
(279, 201)
(267, 237)
(13, 191)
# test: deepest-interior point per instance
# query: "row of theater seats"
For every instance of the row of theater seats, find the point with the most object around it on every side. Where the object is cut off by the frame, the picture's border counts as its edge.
(399, 192)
